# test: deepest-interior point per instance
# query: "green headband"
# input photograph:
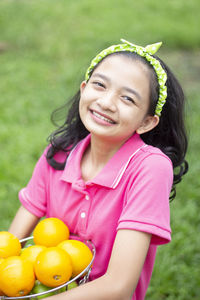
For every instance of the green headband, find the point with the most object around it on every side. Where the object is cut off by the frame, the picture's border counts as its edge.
(147, 53)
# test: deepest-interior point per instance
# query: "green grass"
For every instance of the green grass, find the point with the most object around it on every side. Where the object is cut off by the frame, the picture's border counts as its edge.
(45, 47)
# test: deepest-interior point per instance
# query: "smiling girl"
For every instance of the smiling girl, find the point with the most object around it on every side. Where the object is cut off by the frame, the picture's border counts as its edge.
(110, 168)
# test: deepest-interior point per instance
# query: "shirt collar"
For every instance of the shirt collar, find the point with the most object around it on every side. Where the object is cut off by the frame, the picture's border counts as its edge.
(112, 172)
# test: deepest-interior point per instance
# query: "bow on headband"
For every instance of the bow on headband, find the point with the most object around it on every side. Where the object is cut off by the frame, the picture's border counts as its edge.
(151, 49)
(145, 52)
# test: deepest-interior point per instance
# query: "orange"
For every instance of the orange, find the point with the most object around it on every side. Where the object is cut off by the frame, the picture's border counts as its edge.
(80, 255)
(1, 260)
(50, 232)
(9, 244)
(53, 267)
(17, 276)
(1, 293)
(32, 252)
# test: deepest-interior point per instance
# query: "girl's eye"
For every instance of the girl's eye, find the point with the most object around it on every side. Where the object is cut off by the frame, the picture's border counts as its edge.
(128, 99)
(99, 84)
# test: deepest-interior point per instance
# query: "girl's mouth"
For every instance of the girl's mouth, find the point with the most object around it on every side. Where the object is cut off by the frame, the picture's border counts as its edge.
(102, 117)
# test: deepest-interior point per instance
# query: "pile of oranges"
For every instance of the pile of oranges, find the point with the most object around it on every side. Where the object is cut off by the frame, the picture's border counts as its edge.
(53, 260)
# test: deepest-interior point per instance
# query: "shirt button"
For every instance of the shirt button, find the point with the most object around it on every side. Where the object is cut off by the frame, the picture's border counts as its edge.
(87, 197)
(83, 215)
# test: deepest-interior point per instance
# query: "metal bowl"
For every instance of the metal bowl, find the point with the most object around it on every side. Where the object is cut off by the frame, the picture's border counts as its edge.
(80, 278)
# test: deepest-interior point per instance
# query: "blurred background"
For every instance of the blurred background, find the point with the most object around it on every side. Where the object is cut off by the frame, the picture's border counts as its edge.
(45, 48)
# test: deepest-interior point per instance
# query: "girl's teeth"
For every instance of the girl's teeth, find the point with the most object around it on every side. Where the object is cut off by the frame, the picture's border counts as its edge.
(101, 117)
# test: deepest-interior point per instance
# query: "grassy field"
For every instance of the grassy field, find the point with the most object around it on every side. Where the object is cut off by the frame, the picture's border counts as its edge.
(45, 47)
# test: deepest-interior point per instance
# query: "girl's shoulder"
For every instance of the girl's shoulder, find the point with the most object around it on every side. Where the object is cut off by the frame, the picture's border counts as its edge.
(154, 159)
(150, 166)
(150, 150)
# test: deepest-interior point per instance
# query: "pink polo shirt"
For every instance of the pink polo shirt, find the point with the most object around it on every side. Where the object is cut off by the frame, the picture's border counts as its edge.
(131, 192)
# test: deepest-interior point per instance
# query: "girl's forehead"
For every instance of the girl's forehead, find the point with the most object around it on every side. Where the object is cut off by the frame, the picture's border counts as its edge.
(122, 65)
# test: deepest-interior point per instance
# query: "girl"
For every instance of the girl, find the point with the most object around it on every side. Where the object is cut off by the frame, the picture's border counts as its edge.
(108, 171)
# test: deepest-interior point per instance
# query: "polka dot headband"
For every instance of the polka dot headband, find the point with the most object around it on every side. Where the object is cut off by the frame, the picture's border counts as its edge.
(147, 53)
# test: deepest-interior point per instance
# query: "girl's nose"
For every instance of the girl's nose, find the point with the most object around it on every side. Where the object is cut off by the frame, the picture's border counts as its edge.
(107, 102)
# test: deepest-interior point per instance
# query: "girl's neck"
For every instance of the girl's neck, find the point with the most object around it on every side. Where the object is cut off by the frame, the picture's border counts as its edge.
(96, 156)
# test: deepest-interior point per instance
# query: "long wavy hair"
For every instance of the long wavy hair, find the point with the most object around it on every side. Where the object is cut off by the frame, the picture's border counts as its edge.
(169, 135)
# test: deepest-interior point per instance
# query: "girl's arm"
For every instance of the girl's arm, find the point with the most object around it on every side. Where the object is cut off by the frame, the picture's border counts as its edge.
(125, 266)
(23, 223)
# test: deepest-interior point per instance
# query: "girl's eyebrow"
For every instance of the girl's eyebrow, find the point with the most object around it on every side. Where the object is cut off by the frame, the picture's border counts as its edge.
(132, 91)
(101, 76)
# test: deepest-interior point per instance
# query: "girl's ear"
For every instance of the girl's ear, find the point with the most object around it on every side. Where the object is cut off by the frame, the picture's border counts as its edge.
(148, 124)
(82, 86)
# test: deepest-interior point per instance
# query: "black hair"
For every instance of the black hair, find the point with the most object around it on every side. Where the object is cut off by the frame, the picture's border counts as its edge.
(169, 135)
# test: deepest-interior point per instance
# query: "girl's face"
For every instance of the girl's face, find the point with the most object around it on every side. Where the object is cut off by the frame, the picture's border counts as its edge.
(115, 101)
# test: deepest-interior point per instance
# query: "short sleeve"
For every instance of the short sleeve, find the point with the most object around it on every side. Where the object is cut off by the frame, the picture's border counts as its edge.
(146, 205)
(34, 196)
